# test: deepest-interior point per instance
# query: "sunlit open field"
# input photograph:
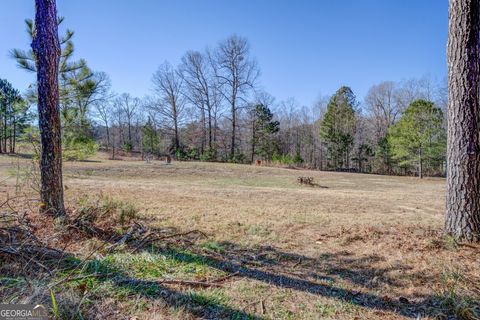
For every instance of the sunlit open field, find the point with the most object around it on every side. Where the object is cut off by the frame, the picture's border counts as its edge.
(353, 246)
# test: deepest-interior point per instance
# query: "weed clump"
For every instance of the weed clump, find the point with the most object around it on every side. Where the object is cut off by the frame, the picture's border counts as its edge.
(105, 210)
(455, 296)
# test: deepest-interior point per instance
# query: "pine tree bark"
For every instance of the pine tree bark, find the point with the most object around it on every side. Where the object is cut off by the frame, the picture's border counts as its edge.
(46, 47)
(5, 126)
(463, 150)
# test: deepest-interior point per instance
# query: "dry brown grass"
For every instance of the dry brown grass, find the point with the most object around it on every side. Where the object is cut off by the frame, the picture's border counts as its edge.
(354, 246)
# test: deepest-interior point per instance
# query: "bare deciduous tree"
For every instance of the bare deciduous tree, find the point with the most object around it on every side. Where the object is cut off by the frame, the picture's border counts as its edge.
(381, 104)
(237, 73)
(104, 112)
(128, 108)
(170, 101)
(202, 90)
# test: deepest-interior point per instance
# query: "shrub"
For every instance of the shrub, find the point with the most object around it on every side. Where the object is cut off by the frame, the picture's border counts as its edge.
(192, 154)
(238, 158)
(127, 146)
(181, 155)
(284, 159)
(78, 150)
(297, 159)
(208, 155)
(287, 159)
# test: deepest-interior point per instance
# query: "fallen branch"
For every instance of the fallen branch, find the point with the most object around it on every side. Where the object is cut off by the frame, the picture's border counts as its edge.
(151, 237)
(190, 283)
(70, 279)
(133, 230)
(297, 263)
(126, 280)
(179, 235)
(221, 279)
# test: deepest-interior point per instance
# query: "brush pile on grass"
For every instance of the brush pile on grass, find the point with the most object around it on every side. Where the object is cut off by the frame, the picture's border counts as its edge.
(20, 244)
(305, 181)
(26, 232)
(44, 259)
(33, 245)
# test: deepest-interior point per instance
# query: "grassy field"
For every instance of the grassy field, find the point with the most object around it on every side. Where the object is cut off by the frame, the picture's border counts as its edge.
(354, 246)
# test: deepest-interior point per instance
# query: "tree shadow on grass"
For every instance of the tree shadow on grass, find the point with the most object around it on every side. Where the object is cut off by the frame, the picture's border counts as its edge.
(266, 264)
(35, 284)
(199, 304)
(306, 274)
(317, 276)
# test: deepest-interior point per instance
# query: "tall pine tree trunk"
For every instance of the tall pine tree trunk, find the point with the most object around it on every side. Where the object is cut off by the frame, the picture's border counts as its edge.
(14, 140)
(463, 154)
(46, 47)
(5, 135)
(12, 133)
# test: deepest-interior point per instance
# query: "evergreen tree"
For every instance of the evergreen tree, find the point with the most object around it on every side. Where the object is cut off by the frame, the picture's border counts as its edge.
(339, 125)
(263, 129)
(67, 70)
(13, 116)
(149, 138)
(383, 157)
(78, 85)
(362, 154)
(419, 136)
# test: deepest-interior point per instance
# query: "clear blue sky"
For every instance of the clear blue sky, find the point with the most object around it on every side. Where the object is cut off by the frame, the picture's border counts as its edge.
(304, 48)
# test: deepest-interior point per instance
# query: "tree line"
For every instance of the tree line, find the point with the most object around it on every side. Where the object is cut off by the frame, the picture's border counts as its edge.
(211, 107)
